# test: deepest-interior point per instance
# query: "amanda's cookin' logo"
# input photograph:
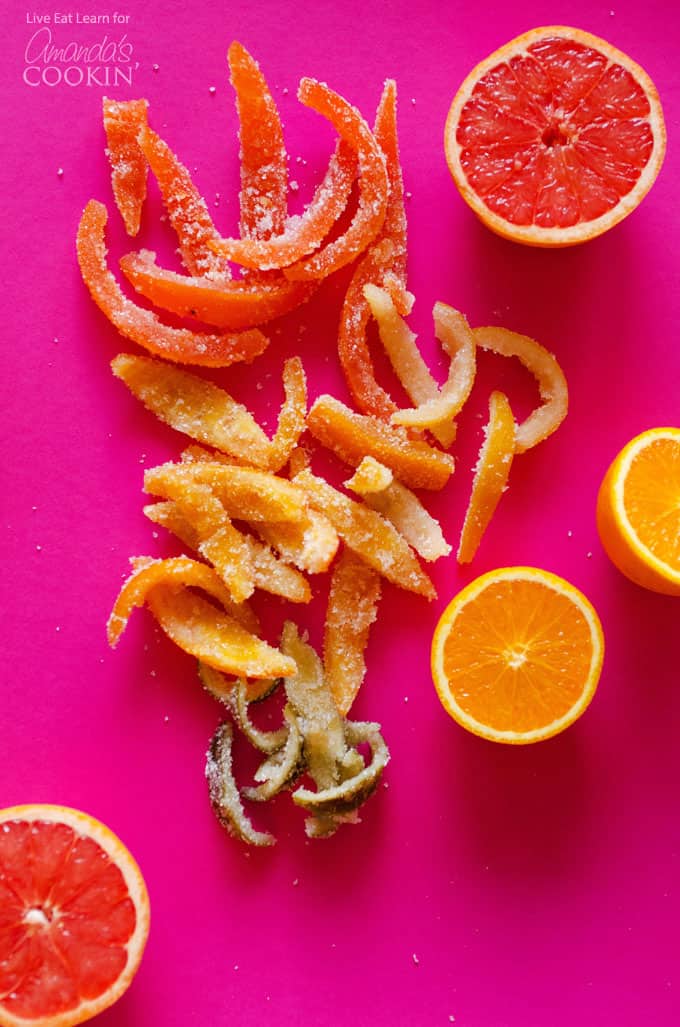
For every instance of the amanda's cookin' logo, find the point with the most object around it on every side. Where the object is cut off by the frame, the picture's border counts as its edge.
(53, 61)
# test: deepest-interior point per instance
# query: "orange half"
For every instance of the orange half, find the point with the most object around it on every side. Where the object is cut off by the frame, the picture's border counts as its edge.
(638, 510)
(517, 655)
(555, 138)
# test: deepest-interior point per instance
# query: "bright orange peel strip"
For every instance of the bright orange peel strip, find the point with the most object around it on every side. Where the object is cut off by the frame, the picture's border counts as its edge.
(203, 631)
(401, 507)
(142, 326)
(368, 534)
(292, 418)
(491, 475)
(123, 121)
(352, 609)
(352, 436)
(373, 184)
(176, 572)
(241, 303)
(186, 208)
(548, 373)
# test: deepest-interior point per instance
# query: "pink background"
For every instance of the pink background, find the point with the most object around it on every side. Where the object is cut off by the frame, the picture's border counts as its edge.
(500, 886)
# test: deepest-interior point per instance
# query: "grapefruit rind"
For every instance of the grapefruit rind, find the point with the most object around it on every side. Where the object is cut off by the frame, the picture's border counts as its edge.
(618, 536)
(445, 625)
(535, 235)
(89, 827)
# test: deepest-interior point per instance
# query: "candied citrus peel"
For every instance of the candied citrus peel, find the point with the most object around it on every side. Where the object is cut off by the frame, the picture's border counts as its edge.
(292, 418)
(235, 304)
(246, 493)
(352, 609)
(186, 208)
(310, 543)
(268, 572)
(305, 232)
(368, 534)
(142, 326)
(401, 507)
(373, 183)
(352, 436)
(176, 572)
(194, 406)
(123, 121)
(223, 790)
(264, 168)
(203, 631)
(491, 475)
(383, 264)
(548, 373)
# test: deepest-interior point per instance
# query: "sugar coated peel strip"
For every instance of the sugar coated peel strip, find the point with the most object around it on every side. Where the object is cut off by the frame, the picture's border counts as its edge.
(292, 418)
(203, 631)
(438, 413)
(373, 184)
(400, 507)
(491, 475)
(352, 436)
(352, 609)
(383, 264)
(179, 345)
(224, 794)
(310, 543)
(232, 305)
(175, 572)
(194, 406)
(237, 694)
(548, 373)
(268, 572)
(304, 232)
(282, 769)
(123, 120)
(400, 345)
(246, 493)
(347, 796)
(369, 535)
(264, 169)
(186, 208)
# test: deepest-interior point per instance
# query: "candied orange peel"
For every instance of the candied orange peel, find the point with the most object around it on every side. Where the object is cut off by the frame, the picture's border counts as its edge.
(352, 609)
(123, 121)
(551, 382)
(491, 475)
(352, 436)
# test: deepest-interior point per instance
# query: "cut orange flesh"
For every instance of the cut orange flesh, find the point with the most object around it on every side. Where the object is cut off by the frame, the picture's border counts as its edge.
(638, 510)
(491, 475)
(74, 917)
(123, 122)
(517, 655)
(142, 326)
(555, 138)
(243, 303)
(186, 208)
(264, 169)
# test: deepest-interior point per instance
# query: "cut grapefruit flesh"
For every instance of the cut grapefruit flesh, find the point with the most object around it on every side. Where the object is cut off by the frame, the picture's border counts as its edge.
(555, 138)
(74, 916)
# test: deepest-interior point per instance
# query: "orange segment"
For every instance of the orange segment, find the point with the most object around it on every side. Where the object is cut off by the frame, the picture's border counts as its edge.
(551, 382)
(491, 475)
(74, 916)
(142, 326)
(517, 655)
(555, 138)
(123, 121)
(638, 510)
